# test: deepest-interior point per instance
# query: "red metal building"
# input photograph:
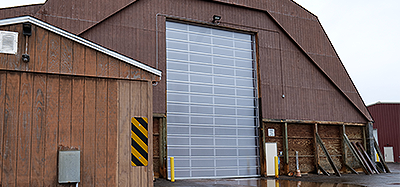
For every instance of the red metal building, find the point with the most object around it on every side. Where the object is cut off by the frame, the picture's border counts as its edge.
(387, 124)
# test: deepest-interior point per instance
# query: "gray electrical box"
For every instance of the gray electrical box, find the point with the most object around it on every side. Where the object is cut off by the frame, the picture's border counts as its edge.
(69, 166)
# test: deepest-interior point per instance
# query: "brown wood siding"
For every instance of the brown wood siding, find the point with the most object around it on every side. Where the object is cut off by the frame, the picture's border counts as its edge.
(24, 130)
(38, 135)
(101, 133)
(89, 141)
(66, 56)
(80, 113)
(112, 133)
(77, 128)
(54, 57)
(51, 130)
(136, 94)
(42, 39)
(124, 134)
(70, 97)
(10, 129)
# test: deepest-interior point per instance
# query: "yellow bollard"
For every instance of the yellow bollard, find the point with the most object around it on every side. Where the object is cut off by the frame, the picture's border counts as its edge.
(276, 167)
(172, 169)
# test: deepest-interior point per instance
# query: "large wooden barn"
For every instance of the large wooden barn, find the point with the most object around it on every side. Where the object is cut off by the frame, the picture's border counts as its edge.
(240, 77)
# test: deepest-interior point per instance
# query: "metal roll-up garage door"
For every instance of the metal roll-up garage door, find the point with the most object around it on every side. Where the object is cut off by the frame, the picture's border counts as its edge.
(211, 102)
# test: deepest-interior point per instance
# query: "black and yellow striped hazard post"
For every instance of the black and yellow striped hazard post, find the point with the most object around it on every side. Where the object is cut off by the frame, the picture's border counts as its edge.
(139, 138)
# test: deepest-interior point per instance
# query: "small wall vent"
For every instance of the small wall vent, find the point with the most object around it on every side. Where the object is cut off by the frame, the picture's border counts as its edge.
(8, 42)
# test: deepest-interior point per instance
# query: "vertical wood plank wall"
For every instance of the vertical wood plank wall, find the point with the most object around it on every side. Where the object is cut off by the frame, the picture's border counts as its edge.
(70, 96)
(139, 95)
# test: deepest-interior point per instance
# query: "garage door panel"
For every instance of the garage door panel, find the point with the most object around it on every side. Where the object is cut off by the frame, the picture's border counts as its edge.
(202, 141)
(204, 131)
(201, 120)
(211, 102)
(178, 129)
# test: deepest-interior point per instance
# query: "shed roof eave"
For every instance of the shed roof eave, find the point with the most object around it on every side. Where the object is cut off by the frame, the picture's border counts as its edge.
(85, 42)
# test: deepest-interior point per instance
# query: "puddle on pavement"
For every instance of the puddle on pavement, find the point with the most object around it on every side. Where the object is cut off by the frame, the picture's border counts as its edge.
(277, 183)
(286, 183)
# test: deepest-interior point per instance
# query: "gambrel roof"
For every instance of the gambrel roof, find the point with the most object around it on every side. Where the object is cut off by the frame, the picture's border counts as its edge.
(86, 18)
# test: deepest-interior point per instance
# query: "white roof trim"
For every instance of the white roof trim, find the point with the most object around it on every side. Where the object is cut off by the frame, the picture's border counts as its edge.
(80, 40)
(384, 102)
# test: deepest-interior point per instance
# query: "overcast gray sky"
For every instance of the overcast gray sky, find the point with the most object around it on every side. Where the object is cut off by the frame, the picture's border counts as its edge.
(12, 3)
(365, 34)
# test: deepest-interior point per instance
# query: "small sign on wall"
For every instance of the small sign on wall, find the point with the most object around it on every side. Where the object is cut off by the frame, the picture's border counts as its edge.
(271, 132)
(139, 141)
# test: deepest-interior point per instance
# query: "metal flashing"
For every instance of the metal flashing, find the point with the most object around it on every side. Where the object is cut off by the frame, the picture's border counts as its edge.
(73, 37)
(384, 102)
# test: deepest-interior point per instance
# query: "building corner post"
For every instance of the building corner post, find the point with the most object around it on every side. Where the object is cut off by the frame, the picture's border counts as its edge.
(370, 140)
(263, 154)
(285, 149)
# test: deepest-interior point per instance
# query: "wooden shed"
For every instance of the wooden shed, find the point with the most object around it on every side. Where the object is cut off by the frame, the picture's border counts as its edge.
(72, 94)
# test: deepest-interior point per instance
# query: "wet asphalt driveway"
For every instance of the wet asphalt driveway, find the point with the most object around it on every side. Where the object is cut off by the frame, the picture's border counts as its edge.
(347, 180)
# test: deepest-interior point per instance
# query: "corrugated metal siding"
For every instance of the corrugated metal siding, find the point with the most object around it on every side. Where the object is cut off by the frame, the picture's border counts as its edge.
(19, 11)
(132, 32)
(305, 28)
(299, 103)
(310, 35)
(76, 15)
(287, 7)
(308, 32)
(387, 121)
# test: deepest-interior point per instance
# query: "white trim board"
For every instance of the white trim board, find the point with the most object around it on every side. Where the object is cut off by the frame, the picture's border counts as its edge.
(73, 37)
